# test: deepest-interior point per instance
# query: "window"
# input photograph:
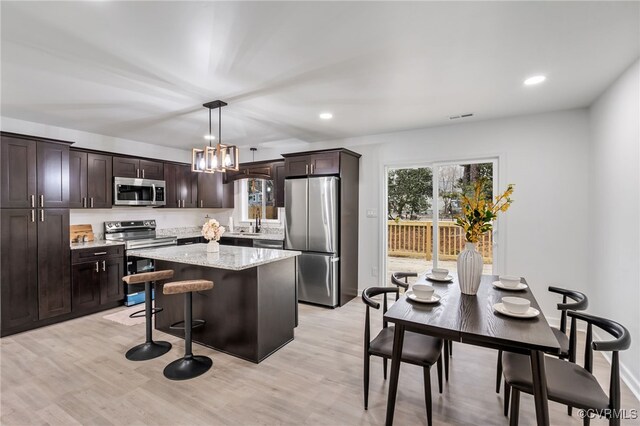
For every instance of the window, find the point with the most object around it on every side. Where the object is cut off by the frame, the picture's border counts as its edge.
(258, 199)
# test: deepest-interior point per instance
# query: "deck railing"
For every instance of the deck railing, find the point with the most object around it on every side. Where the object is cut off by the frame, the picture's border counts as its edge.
(409, 238)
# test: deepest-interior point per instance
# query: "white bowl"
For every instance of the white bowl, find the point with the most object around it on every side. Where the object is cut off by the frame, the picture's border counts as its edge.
(510, 281)
(423, 291)
(440, 273)
(516, 305)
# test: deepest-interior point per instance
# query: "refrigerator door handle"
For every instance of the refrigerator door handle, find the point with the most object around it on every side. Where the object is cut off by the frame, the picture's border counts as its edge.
(335, 259)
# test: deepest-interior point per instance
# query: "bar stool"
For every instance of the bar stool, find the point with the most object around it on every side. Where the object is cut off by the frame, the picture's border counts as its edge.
(149, 349)
(190, 365)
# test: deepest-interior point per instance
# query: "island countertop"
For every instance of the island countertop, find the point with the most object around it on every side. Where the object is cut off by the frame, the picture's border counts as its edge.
(230, 257)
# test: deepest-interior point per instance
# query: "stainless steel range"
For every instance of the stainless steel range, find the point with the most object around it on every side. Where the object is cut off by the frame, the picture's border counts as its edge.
(136, 234)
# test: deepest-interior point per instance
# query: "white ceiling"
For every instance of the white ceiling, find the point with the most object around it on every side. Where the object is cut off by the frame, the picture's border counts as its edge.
(141, 70)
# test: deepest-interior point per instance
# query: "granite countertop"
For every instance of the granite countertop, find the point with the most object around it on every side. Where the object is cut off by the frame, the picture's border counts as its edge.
(257, 236)
(230, 257)
(192, 232)
(94, 244)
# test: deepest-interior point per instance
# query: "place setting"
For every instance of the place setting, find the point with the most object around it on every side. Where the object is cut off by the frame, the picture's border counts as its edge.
(516, 307)
(510, 283)
(422, 293)
(439, 275)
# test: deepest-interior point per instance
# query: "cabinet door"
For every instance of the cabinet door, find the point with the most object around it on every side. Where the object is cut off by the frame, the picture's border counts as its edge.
(54, 281)
(111, 285)
(188, 186)
(297, 166)
(325, 163)
(53, 175)
(126, 167)
(77, 179)
(85, 279)
(19, 274)
(228, 195)
(18, 182)
(210, 190)
(151, 170)
(99, 181)
(172, 192)
(278, 175)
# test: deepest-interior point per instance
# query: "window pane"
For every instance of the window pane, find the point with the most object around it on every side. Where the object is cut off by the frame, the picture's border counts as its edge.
(254, 200)
(270, 211)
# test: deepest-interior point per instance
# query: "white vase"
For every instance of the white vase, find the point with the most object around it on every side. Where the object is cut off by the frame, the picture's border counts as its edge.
(213, 247)
(469, 269)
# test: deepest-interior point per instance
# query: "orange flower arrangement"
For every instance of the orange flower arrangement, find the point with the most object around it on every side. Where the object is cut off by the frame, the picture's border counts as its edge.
(478, 212)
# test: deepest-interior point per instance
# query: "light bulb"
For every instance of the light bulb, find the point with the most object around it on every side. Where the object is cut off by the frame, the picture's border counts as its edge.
(215, 161)
(227, 160)
(201, 164)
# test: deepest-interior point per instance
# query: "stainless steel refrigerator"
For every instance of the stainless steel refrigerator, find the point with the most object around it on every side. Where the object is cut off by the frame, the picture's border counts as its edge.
(311, 226)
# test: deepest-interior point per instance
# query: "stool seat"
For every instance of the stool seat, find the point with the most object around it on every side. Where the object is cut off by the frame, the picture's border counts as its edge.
(188, 286)
(148, 277)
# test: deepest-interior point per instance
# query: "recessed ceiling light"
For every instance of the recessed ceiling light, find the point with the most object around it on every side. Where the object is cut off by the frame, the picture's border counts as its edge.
(210, 137)
(326, 116)
(536, 79)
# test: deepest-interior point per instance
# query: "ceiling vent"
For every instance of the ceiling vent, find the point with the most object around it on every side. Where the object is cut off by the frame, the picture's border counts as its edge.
(455, 117)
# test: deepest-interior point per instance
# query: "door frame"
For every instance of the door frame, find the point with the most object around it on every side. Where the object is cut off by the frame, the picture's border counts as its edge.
(499, 181)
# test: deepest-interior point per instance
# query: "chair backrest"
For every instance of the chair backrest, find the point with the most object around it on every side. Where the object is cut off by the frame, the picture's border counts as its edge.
(367, 297)
(621, 342)
(397, 277)
(580, 303)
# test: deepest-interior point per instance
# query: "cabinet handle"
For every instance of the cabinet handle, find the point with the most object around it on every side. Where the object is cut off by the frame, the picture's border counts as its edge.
(33, 215)
(100, 253)
(41, 215)
(91, 202)
(201, 204)
(137, 173)
(312, 169)
(142, 173)
(33, 200)
(306, 169)
(84, 202)
(104, 265)
(97, 267)
(41, 200)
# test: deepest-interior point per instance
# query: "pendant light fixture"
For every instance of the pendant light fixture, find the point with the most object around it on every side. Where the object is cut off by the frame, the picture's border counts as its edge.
(219, 158)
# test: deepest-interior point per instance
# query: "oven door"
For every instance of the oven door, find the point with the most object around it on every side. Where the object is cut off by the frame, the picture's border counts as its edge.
(138, 192)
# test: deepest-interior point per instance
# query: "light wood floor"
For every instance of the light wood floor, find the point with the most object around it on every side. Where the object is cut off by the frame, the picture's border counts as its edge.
(76, 373)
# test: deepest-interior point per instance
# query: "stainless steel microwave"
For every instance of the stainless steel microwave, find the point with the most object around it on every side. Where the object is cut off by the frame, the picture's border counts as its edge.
(138, 192)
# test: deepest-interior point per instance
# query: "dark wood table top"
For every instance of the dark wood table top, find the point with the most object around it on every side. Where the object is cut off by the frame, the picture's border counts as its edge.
(471, 319)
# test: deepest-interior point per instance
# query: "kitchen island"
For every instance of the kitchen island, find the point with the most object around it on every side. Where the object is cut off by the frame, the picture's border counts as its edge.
(249, 313)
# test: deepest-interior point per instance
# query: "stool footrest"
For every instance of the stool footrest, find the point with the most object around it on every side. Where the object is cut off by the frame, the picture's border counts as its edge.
(194, 324)
(143, 312)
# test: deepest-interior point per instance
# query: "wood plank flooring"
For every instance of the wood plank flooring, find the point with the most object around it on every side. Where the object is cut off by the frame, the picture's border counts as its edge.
(76, 373)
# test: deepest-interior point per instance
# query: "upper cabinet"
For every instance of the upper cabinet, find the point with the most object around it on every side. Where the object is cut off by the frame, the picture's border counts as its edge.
(136, 168)
(278, 175)
(90, 180)
(181, 186)
(312, 164)
(210, 190)
(35, 172)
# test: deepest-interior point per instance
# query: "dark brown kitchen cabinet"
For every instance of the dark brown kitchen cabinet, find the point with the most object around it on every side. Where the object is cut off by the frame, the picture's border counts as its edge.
(53, 174)
(314, 164)
(19, 257)
(278, 174)
(181, 186)
(97, 279)
(228, 195)
(90, 180)
(297, 166)
(18, 182)
(54, 281)
(210, 190)
(136, 168)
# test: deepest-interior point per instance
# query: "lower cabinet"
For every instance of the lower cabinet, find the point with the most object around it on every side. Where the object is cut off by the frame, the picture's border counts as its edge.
(97, 280)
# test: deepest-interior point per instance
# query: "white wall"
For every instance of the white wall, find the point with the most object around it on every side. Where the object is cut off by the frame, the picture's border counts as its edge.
(614, 237)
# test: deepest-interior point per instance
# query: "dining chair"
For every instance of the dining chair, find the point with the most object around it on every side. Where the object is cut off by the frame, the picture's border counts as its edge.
(567, 382)
(396, 278)
(580, 303)
(418, 349)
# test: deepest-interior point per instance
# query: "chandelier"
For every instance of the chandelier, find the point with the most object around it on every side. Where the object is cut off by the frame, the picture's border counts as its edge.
(219, 158)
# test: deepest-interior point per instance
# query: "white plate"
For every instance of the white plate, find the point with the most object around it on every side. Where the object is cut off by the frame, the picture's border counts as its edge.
(531, 312)
(520, 286)
(411, 295)
(442, 280)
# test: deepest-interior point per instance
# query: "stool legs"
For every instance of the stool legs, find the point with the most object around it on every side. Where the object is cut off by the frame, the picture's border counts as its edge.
(190, 365)
(149, 349)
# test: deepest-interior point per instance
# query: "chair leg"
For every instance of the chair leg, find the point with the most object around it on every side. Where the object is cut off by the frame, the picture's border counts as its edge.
(586, 421)
(366, 381)
(446, 361)
(569, 410)
(450, 347)
(507, 392)
(439, 364)
(515, 407)
(499, 372)
(427, 393)
(384, 368)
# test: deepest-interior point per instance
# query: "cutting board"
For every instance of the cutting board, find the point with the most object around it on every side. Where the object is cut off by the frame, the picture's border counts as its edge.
(80, 231)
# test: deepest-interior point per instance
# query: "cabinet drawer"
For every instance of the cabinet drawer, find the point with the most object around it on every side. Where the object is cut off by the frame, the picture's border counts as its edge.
(88, 255)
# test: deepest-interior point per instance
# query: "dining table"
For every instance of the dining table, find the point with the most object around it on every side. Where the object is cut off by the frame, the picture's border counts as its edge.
(472, 319)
